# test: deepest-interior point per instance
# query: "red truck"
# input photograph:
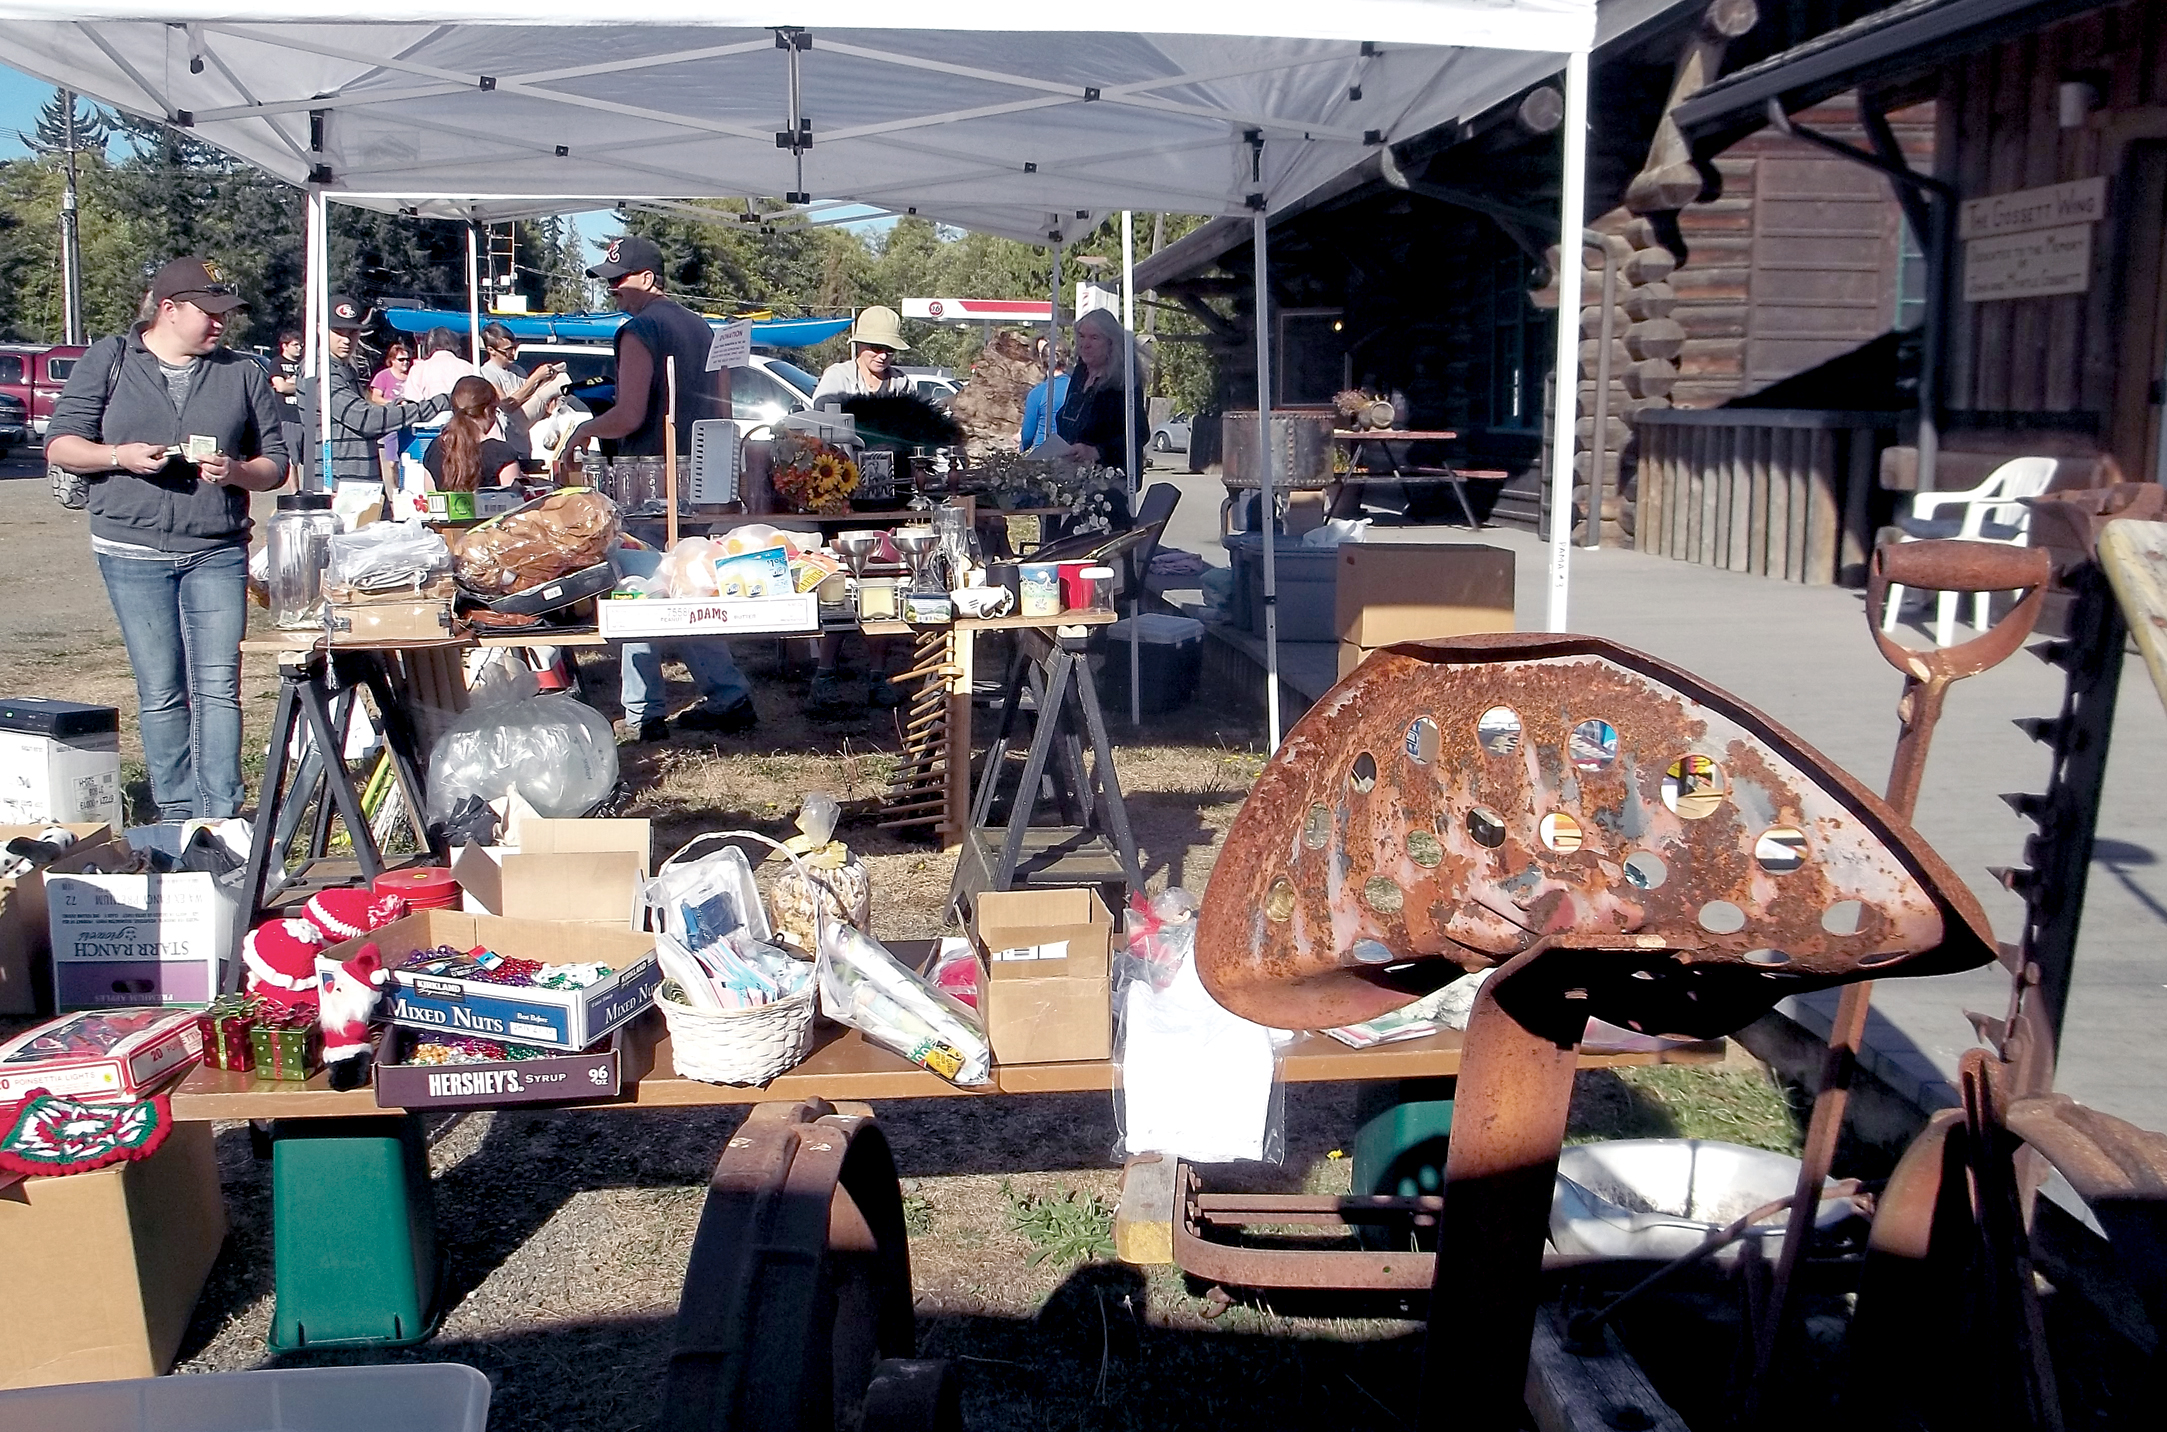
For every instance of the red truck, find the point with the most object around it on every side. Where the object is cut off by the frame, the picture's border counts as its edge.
(35, 373)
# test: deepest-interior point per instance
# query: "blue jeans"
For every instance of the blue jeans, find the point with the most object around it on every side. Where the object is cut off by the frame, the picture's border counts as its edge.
(714, 673)
(182, 618)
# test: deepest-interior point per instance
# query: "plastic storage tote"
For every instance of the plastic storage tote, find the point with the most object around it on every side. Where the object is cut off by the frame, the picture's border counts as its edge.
(418, 1397)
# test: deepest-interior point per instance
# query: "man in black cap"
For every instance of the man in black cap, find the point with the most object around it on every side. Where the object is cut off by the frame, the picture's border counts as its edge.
(357, 424)
(173, 433)
(658, 330)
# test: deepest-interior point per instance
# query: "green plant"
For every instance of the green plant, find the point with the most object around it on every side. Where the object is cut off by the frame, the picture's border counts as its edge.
(1069, 1229)
(917, 1214)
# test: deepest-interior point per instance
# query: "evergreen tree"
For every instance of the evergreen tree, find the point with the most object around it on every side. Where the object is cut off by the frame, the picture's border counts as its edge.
(94, 125)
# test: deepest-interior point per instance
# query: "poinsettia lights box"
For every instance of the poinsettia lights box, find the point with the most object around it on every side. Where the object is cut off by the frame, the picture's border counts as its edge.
(567, 1019)
(100, 1054)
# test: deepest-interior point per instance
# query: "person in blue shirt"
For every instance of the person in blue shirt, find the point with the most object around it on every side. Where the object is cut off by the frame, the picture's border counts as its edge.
(1037, 426)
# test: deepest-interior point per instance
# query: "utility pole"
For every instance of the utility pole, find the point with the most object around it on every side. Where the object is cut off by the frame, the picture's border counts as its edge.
(71, 249)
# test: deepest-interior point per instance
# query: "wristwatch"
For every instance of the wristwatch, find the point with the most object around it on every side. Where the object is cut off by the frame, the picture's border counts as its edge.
(116, 458)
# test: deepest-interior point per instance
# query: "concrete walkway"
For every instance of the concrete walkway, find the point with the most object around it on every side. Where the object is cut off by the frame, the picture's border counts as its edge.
(1803, 655)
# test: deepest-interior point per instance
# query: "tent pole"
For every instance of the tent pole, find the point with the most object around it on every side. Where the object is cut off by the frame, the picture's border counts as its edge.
(474, 300)
(1565, 373)
(319, 267)
(1266, 508)
(1135, 467)
(1053, 347)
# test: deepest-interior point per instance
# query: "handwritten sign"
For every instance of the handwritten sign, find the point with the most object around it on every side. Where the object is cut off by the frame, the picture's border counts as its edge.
(732, 347)
(2029, 265)
(2081, 201)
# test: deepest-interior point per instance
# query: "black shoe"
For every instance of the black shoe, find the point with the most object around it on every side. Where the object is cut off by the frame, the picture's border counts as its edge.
(827, 699)
(731, 720)
(653, 731)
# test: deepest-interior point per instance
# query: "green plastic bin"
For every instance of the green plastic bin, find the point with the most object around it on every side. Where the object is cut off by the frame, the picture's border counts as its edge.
(1400, 1150)
(354, 1234)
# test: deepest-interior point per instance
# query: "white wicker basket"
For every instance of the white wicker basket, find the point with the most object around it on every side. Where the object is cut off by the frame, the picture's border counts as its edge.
(740, 1046)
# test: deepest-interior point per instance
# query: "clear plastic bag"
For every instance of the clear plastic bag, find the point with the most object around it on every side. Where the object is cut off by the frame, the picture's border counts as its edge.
(385, 556)
(869, 989)
(559, 754)
(826, 878)
(567, 531)
(1162, 936)
(699, 899)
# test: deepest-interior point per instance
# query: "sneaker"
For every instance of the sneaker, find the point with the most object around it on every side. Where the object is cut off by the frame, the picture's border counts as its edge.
(737, 717)
(829, 697)
(882, 692)
(652, 731)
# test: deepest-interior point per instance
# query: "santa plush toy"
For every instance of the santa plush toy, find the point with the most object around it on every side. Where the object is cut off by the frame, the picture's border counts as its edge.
(281, 960)
(347, 995)
(350, 914)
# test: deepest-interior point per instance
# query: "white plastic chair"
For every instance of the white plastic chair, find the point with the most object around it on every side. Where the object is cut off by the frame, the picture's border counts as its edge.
(1989, 512)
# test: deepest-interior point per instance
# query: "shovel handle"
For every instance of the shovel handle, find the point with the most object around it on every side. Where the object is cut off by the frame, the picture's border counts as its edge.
(1961, 566)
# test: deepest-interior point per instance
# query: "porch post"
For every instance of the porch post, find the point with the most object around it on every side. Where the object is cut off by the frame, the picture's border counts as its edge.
(1260, 238)
(1565, 378)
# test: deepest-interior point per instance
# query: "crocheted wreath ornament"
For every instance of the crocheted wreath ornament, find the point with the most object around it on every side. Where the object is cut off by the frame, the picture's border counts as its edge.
(53, 1134)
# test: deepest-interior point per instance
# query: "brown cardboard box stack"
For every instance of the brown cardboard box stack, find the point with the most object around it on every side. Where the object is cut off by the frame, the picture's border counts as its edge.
(1044, 989)
(1391, 592)
(26, 942)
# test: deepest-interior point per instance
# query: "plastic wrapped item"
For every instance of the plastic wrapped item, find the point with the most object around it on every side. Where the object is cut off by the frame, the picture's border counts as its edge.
(1162, 935)
(954, 970)
(385, 557)
(687, 569)
(699, 900)
(559, 754)
(827, 878)
(564, 532)
(869, 989)
(1192, 1080)
(499, 674)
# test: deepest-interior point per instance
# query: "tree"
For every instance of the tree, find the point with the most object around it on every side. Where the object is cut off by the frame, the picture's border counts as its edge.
(94, 125)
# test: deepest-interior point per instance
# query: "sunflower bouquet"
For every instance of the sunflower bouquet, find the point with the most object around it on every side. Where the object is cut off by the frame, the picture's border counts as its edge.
(812, 476)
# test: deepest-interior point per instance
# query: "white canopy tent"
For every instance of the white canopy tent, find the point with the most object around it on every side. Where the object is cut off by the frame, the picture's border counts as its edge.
(994, 118)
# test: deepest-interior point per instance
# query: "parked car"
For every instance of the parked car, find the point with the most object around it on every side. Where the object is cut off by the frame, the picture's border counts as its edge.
(768, 389)
(35, 373)
(14, 423)
(1171, 435)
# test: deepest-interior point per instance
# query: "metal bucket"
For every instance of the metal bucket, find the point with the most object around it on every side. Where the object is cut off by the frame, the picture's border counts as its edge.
(1301, 449)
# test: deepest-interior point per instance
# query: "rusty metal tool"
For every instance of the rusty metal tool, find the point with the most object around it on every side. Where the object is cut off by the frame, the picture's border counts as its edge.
(1617, 838)
(1928, 675)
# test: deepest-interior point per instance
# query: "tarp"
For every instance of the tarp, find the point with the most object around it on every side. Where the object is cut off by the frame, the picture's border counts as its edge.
(602, 327)
(997, 119)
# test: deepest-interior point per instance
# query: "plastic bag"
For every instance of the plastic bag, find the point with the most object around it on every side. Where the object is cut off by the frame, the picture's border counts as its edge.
(559, 754)
(499, 675)
(827, 878)
(700, 900)
(1162, 935)
(1337, 530)
(869, 989)
(1192, 1080)
(687, 569)
(567, 531)
(385, 556)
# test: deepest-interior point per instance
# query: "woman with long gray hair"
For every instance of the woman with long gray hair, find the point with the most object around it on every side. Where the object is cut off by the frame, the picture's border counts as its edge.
(1090, 415)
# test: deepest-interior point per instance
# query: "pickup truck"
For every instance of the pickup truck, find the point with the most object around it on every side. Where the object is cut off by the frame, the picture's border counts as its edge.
(35, 373)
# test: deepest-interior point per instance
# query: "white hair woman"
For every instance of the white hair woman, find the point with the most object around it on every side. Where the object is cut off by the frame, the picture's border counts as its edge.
(1090, 415)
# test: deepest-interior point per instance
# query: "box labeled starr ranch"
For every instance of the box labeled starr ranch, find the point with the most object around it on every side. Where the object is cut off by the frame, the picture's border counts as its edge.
(569, 1019)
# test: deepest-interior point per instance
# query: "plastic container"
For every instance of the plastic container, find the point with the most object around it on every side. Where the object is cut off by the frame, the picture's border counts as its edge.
(1308, 581)
(1169, 658)
(297, 548)
(413, 1397)
(1658, 1198)
(353, 1220)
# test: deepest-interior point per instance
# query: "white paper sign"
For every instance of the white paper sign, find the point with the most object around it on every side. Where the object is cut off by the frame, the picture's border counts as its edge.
(732, 347)
(1051, 950)
(2080, 201)
(2033, 265)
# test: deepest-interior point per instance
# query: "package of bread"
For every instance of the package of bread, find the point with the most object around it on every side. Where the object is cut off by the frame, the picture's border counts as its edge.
(563, 532)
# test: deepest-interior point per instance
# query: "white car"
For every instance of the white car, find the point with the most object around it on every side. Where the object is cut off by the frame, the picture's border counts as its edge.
(1171, 435)
(769, 389)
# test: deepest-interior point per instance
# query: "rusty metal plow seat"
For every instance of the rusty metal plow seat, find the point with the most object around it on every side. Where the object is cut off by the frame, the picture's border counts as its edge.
(796, 1314)
(1621, 840)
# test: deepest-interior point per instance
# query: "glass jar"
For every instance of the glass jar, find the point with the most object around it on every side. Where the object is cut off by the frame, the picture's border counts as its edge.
(297, 547)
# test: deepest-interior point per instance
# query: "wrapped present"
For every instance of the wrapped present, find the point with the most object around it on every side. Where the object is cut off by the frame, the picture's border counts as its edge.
(288, 1045)
(225, 1026)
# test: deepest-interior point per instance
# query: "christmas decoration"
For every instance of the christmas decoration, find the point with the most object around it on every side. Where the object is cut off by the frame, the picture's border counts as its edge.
(53, 1134)
(225, 1027)
(350, 914)
(349, 992)
(281, 960)
(287, 1044)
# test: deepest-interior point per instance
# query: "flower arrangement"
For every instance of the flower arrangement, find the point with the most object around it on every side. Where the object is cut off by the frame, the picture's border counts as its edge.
(812, 476)
(1012, 480)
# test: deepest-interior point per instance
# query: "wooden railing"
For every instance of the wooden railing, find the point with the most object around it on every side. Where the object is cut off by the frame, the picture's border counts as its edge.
(1782, 492)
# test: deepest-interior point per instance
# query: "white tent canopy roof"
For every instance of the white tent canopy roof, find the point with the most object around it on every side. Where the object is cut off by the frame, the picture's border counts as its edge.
(995, 120)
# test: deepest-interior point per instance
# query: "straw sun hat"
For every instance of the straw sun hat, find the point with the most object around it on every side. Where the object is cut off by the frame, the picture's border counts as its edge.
(878, 327)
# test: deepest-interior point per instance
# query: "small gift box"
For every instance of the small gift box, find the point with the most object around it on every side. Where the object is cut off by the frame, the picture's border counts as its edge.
(287, 1046)
(225, 1026)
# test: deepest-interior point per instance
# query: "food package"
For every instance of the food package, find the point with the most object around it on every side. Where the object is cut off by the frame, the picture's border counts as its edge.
(563, 532)
(839, 884)
(765, 573)
(809, 569)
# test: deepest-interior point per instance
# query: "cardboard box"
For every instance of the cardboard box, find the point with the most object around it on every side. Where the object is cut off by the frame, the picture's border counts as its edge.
(1044, 989)
(26, 937)
(588, 871)
(1390, 592)
(480, 504)
(137, 939)
(99, 1056)
(108, 1264)
(44, 780)
(555, 1019)
(666, 617)
(602, 1071)
(426, 620)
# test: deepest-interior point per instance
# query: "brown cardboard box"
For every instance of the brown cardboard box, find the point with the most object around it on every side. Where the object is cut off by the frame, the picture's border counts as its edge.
(1306, 512)
(106, 1266)
(428, 620)
(1045, 1010)
(1391, 592)
(26, 938)
(589, 871)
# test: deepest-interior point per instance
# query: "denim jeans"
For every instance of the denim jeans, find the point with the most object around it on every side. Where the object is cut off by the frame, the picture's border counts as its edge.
(714, 674)
(182, 618)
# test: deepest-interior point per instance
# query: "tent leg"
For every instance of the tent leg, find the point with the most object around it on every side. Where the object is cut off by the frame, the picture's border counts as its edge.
(1565, 376)
(474, 299)
(1260, 240)
(1135, 463)
(1053, 346)
(319, 322)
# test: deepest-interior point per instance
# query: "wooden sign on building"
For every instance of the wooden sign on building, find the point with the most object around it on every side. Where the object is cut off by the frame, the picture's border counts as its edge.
(2031, 243)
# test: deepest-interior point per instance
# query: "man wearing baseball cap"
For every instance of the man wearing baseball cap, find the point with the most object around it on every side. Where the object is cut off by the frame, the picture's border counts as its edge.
(657, 331)
(358, 425)
(172, 433)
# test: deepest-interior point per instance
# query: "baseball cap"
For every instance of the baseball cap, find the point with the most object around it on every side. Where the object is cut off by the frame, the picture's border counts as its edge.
(627, 254)
(345, 313)
(196, 281)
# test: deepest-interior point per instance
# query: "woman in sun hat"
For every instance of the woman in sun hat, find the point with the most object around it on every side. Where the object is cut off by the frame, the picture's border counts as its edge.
(875, 339)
